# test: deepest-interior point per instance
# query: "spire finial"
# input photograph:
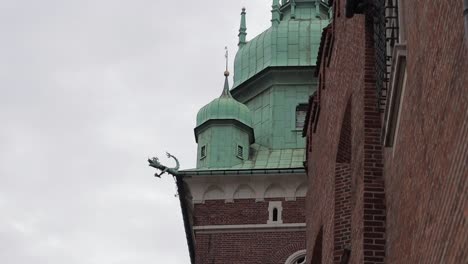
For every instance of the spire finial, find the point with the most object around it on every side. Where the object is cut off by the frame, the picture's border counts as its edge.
(226, 55)
(242, 29)
(226, 92)
(275, 13)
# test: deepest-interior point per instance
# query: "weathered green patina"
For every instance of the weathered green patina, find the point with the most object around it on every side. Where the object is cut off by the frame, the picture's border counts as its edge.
(273, 96)
(292, 40)
(155, 163)
(225, 107)
(242, 30)
(254, 126)
(224, 131)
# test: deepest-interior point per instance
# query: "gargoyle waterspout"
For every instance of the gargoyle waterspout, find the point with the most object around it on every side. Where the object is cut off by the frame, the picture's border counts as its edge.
(154, 162)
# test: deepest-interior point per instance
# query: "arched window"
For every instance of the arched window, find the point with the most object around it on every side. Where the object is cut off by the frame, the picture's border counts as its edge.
(298, 257)
(275, 211)
(300, 260)
(275, 214)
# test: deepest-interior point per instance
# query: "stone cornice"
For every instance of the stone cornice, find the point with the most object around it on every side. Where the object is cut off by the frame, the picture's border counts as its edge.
(258, 187)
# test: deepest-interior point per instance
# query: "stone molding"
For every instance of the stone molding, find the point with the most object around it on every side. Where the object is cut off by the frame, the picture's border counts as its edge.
(272, 205)
(250, 228)
(258, 187)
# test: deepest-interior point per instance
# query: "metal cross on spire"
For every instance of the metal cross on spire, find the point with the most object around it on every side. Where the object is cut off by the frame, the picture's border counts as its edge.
(226, 93)
(226, 55)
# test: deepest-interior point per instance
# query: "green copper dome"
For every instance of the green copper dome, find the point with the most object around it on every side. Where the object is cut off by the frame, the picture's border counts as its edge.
(225, 107)
(292, 40)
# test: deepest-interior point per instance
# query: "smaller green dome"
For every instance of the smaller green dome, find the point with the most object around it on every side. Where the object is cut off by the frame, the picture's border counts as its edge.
(225, 107)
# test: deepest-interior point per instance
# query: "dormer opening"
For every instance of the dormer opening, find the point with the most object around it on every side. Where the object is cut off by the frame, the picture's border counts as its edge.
(240, 152)
(203, 152)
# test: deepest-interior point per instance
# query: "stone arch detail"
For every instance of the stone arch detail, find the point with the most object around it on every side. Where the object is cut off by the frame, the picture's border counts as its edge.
(274, 190)
(301, 190)
(244, 191)
(283, 254)
(213, 192)
(295, 256)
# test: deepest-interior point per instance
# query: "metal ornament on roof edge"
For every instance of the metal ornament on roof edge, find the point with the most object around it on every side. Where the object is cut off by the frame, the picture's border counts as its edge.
(154, 162)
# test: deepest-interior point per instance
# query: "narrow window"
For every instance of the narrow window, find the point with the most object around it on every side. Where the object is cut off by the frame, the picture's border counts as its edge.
(203, 152)
(275, 214)
(301, 112)
(240, 152)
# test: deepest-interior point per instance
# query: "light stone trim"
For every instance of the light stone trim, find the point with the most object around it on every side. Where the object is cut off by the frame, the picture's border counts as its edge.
(202, 188)
(272, 205)
(210, 229)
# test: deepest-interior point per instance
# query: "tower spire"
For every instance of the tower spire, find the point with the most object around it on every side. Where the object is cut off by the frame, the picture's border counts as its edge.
(226, 92)
(275, 13)
(242, 29)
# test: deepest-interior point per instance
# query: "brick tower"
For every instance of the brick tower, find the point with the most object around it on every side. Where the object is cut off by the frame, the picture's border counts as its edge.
(245, 200)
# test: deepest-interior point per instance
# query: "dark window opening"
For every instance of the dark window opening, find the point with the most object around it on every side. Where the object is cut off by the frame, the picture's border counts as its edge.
(275, 214)
(240, 152)
(301, 260)
(301, 112)
(203, 152)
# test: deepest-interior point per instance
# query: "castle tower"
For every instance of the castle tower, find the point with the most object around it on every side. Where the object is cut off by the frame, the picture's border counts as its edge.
(244, 202)
(224, 131)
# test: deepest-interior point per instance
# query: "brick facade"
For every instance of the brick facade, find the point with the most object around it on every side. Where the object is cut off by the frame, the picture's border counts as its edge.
(246, 211)
(247, 245)
(403, 204)
(426, 170)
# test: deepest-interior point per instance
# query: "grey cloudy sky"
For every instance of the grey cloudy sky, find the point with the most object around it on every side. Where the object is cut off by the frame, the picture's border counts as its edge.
(90, 89)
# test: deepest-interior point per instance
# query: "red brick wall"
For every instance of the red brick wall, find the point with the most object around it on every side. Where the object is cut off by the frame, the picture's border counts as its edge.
(342, 214)
(408, 203)
(426, 171)
(373, 192)
(246, 211)
(248, 248)
(250, 245)
(342, 88)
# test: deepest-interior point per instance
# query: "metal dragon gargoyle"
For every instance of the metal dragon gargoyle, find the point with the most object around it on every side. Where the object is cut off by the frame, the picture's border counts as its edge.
(154, 162)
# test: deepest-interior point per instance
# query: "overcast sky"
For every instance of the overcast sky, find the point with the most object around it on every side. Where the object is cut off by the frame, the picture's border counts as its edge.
(89, 90)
